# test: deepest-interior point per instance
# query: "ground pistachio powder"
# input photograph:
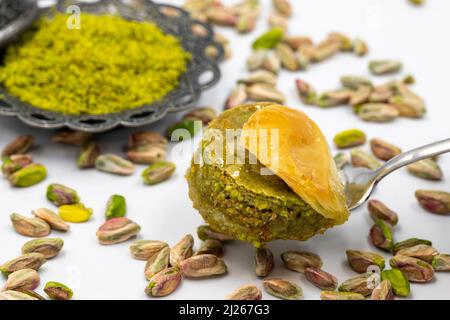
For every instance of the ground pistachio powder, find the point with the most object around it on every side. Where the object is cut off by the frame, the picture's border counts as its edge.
(108, 65)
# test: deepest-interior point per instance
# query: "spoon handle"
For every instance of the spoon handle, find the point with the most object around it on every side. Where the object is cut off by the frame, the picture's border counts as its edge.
(427, 151)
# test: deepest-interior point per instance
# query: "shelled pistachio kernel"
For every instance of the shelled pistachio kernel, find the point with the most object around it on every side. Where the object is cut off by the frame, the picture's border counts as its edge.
(182, 250)
(211, 246)
(359, 284)
(14, 163)
(362, 159)
(113, 164)
(246, 292)
(381, 235)
(335, 295)
(19, 145)
(25, 261)
(264, 261)
(164, 282)
(414, 269)
(28, 176)
(30, 227)
(58, 291)
(88, 155)
(206, 232)
(379, 211)
(360, 261)
(53, 220)
(341, 160)
(146, 249)
(15, 295)
(283, 289)
(205, 115)
(409, 243)
(321, 279)
(298, 261)
(434, 201)
(157, 263)
(441, 262)
(48, 247)
(349, 138)
(383, 291)
(421, 251)
(76, 213)
(379, 67)
(25, 279)
(426, 169)
(384, 150)
(400, 284)
(201, 266)
(158, 172)
(116, 207)
(117, 230)
(62, 195)
(74, 138)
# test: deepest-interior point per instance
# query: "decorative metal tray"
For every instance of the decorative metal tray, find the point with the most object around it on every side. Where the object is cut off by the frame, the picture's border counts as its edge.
(202, 72)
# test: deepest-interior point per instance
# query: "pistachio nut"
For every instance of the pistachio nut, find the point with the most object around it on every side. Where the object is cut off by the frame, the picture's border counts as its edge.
(15, 295)
(420, 251)
(19, 145)
(157, 263)
(27, 279)
(206, 232)
(334, 98)
(117, 230)
(256, 59)
(246, 22)
(360, 95)
(283, 7)
(305, 56)
(345, 43)
(28, 176)
(377, 112)
(143, 138)
(74, 138)
(205, 115)
(147, 154)
(30, 293)
(237, 96)
(434, 201)
(426, 169)
(262, 92)
(298, 261)
(409, 105)
(48, 247)
(76, 213)
(269, 39)
(164, 282)
(381, 235)
(264, 261)
(246, 292)
(88, 155)
(146, 249)
(383, 291)
(30, 227)
(441, 262)
(325, 50)
(26, 261)
(260, 76)
(360, 47)
(58, 291)
(360, 261)
(211, 246)
(417, 2)
(282, 289)
(111, 163)
(360, 284)
(221, 16)
(116, 207)
(306, 92)
(384, 66)
(384, 150)
(409, 79)
(62, 195)
(183, 130)
(414, 269)
(296, 42)
(287, 56)
(158, 172)
(412, 242)
(334, 295)
(15, 162)
(381, 94)
(321, 279)
(182, 250)
(201, 266)
(400, 284)
(277, 20)
(379, 211)
(362, 159)
(349, 138)
(354, 82)
(341, 160)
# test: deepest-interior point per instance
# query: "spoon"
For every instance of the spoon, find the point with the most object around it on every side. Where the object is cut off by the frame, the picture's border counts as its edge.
(360, 182)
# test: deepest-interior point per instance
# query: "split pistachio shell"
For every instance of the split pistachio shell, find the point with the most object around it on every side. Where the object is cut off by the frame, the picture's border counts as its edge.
(383, 291)
(76, 213)
(409, 243)
(321, 279)
(247, 292)
(158, 172)
(182, 250)
(379, 211)
(201, 266)
(19, 145)
(58, 291)
(30, 227)
(111, 163)
(434, 201)
(117, 230)
(206, 232)
(157, 263)
(282, 289)
(62, 195)
(26, 261)
(384, 150)
(400, 284)
(28, 176)
(360, 261)
(146, 249)
(88, 155)
(116, 207)
(48, 247)
(26, 279)
(164, 282)
(298, 261)
(53, 220)
(334, 295)
(264, 261)
(414, 269)
(426, 169)
(349, 138)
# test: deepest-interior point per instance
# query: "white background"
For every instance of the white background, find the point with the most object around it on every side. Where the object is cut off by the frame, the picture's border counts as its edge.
(393, 28)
